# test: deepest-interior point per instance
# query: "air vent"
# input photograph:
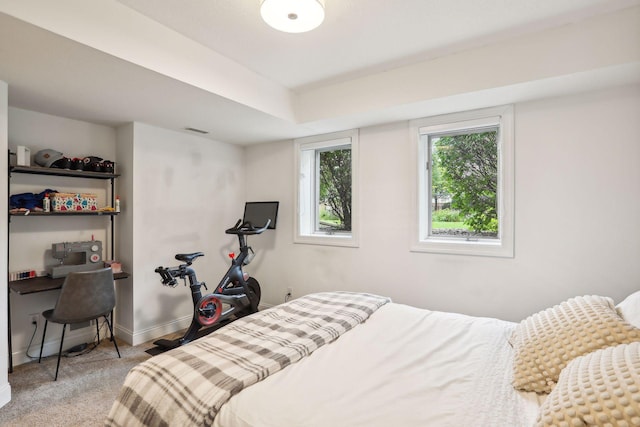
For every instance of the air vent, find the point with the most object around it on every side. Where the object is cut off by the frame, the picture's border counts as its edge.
(204, 132)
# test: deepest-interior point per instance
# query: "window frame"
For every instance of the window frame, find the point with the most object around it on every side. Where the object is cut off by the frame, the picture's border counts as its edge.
(324, 143)
(421, 241)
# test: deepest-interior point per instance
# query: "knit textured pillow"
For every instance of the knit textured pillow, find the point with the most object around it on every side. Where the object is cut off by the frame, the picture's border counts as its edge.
(601, 388)
(547, 341)
(629, 309)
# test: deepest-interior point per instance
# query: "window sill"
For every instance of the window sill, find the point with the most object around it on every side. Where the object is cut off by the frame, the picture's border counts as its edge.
(488, 248)
(327, 240)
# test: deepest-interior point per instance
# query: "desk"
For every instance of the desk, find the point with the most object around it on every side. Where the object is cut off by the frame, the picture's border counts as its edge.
(35, 285)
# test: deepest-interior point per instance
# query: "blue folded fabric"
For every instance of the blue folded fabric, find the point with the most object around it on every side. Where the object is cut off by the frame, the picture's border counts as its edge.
(28, 200)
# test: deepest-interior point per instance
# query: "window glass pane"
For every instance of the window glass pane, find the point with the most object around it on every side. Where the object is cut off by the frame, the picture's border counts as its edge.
(464, 184)
(334, 194)
(327, 176)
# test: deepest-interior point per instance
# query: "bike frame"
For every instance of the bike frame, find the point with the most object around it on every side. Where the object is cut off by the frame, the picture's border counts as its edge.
(233, 291)
(235, 275)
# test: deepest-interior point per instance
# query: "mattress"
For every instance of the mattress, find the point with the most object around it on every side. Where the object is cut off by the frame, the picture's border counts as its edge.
(189, 384)
(403, 366)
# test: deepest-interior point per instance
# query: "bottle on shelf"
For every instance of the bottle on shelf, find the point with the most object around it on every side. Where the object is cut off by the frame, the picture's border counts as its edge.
(46, 203)
(117, 206)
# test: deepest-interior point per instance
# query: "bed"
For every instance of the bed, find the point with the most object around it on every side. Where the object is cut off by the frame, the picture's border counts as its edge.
(351, 359)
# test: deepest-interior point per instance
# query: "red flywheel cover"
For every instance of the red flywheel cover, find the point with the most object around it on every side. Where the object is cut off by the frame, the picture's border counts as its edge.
(209, 310)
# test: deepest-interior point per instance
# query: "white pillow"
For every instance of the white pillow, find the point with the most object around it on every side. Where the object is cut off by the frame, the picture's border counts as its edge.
(629, 309)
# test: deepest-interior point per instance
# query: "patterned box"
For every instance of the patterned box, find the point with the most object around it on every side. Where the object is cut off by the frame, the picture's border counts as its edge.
(62, 202)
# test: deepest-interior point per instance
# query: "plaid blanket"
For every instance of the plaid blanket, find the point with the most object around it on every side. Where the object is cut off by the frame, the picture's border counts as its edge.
(188, 385)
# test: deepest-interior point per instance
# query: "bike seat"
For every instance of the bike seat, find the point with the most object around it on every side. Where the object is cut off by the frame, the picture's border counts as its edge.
(188, 258)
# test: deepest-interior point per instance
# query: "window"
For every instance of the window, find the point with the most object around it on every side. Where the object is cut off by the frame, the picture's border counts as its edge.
(327, 177)
(464, 181)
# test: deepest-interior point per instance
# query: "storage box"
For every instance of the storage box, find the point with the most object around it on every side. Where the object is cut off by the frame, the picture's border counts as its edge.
(62, 202)
(116, 267)
(23, 156)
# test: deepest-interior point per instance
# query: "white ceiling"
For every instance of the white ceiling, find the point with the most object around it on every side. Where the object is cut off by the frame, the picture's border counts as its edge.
(214, 65)
(360, 37)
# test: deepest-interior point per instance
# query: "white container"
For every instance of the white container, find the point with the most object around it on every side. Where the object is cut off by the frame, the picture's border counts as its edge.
(23, 156)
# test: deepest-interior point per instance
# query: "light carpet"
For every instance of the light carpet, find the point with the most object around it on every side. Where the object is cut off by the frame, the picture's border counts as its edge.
(86, 388)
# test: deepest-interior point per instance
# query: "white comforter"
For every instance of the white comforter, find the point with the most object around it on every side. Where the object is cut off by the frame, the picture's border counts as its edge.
(403, 367)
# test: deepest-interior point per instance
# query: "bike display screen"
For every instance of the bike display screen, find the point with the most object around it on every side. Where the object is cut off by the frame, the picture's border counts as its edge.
(257, 213)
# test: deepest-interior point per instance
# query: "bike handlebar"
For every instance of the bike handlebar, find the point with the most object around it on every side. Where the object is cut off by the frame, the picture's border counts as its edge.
(167, 275)
(247, 228)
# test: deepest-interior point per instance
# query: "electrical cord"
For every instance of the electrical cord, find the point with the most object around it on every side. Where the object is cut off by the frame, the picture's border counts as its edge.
(87, 350)
(35, 329)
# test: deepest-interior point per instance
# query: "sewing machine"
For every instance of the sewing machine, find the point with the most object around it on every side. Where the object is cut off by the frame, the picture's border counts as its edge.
(76, 256)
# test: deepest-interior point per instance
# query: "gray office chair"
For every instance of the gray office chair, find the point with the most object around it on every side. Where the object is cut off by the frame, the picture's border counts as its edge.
(84, 296)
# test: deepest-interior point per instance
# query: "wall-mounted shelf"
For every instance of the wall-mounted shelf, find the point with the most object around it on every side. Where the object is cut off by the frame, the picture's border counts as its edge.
(35, 170)
(41, 284)
(64, 213)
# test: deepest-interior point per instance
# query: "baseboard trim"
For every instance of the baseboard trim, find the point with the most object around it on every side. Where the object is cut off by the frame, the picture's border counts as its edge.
(157, 331)
(151, 333)
(5, 394)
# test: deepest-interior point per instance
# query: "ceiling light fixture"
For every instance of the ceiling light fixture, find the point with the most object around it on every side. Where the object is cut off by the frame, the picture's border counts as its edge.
(293, 16)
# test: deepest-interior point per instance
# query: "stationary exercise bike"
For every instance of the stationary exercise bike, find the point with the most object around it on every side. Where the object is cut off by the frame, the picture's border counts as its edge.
(236, 295)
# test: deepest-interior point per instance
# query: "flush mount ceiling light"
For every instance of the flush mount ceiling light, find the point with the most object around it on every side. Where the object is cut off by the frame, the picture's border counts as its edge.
(293, 16)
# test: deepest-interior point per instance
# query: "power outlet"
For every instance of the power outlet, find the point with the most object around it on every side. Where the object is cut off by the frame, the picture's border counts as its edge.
(34, 318)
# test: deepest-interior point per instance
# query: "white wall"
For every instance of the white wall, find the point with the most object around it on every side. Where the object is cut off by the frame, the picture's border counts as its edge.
(5, 388)
(182, 191)
(123, 322)
(577, 209)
